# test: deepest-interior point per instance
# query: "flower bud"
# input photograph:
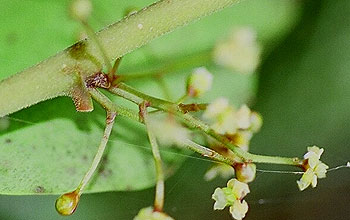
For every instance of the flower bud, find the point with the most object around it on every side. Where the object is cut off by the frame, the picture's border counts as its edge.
(149, 214)
(67, 203)
(81, 9)
(240, 52)
(199, 82)
(256, 122)
(245, 172)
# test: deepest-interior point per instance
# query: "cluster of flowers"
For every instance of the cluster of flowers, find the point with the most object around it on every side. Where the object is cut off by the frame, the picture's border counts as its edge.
(238, 125)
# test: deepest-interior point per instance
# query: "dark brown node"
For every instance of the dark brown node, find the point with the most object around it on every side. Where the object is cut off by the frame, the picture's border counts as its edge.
(142, 109)
(98, 80)
(193, 107)
(110, 117)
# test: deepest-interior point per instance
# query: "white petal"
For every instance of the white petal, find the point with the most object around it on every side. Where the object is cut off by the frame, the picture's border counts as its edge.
(239, 209)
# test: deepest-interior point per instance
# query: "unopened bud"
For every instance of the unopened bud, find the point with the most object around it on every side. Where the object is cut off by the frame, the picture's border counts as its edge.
(245, 172)
(81, 9)
(199, 82)
(67, 203)
(256, 122)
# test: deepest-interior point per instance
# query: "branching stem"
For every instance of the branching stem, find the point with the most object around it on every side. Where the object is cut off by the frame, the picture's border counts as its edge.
(109, 125)
(159, 195)
(138, 97)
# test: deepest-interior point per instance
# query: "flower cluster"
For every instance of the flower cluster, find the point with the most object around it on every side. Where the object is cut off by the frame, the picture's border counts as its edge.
(240, 52)
(149, 214)
(314, 168)
(232, 196)
(239, 125)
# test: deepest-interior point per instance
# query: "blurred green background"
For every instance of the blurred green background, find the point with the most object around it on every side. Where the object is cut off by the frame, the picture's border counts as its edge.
(303, 95)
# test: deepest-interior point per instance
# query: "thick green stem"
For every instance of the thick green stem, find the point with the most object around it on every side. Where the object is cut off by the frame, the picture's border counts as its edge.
(57, 75)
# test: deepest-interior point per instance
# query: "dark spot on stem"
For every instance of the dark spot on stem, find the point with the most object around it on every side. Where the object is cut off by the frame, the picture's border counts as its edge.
(8, 140)
(98, 80)
(39, 189)
(78, 50)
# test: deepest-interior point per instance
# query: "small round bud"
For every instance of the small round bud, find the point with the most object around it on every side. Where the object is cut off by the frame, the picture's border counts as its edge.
(67, 203)
(240, 52)
(222, 116)
(81, 9)
(243, 117)
(245, 172)
(199, 82)
(168, 131)
(149, 214)
(256, 122)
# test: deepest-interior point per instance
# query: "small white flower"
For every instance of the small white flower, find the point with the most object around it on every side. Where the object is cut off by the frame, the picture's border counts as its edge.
(315, 169)
(222, 115)
(242, 139)
(222, 170)
(149, 214)
(232, 196)
(216, 108)
(239, 189)
(313, 155)
(81, 9)
(245, 172)
(239, 209)
(243, 117)
(240, 52)
(168, 131)
(199, 82)
(256, 122)
(225, 119)
(220, 199)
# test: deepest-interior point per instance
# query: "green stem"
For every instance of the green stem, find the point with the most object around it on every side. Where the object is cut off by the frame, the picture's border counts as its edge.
(206, 152)
(56, 76)
(122, 111)
(109, 125)
(108, 104)
(193, 122)
(159, 195)
(91, 33)
(190, 61)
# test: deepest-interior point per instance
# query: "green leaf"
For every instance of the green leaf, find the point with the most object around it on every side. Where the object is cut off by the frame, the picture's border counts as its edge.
(48, 147)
